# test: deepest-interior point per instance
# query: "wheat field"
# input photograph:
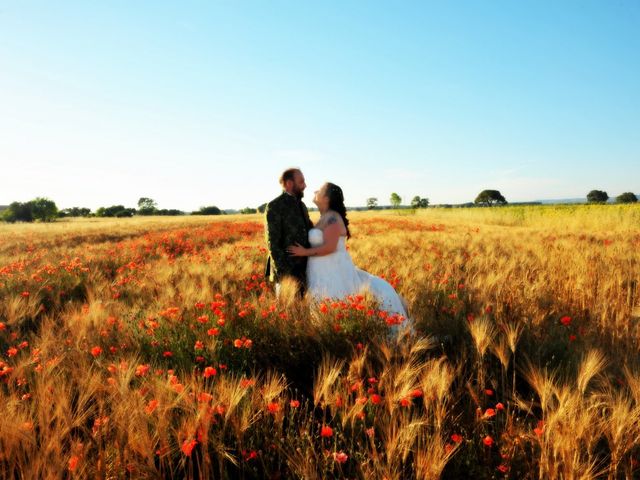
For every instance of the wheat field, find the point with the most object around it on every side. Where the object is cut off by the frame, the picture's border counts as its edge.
(153, 348)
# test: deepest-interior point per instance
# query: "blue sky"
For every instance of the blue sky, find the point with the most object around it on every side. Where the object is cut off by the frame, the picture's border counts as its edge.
(204, 103)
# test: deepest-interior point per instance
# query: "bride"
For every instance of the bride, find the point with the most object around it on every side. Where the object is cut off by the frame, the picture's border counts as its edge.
(330, 270)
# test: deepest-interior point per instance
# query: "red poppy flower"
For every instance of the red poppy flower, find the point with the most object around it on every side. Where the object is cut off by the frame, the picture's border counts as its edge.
(188, 446)
(210, 372)
(151, 406)
(488, 441)
(417, 393)
(326, 431)
(247, 382)
(340, 457)
(73, 463)
(96, 351)
(566, 321)
(249, 455)
(204, 397)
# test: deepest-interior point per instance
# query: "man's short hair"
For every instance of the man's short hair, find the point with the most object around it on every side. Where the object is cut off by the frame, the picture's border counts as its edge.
(288, 174)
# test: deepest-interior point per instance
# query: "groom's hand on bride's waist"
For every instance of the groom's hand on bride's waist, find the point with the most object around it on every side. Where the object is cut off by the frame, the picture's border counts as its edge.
(297, 250)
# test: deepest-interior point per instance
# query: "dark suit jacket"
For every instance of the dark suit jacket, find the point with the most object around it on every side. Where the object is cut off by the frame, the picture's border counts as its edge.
(288, 223)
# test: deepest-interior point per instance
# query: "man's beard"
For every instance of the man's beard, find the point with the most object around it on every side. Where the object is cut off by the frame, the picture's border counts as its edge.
(298, 193)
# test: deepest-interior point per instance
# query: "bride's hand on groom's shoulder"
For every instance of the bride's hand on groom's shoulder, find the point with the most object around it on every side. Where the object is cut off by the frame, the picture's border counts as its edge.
(296, 250)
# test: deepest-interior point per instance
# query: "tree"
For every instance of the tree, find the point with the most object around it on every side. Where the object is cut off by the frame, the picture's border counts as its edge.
(115, 211)
(372, 203)
(211, 210)
(248, 210)
(74, 212)
(262, 208)
(395, 199)
(43, 209)
(169, 212)
(127, 212)
(18, 212)
(597, 196)
(147, 206)
(627, 197)
(418, 202)
(490, 198)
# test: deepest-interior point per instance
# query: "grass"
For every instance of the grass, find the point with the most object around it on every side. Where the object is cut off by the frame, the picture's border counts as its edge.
(153, 347)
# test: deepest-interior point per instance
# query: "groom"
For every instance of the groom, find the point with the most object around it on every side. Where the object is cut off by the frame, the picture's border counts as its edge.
(288, 223)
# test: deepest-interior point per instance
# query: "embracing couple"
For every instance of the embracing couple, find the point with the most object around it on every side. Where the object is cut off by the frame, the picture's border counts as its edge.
(316, 256)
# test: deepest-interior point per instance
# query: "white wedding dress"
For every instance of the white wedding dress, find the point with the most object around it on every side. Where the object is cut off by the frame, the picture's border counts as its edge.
(335, 276)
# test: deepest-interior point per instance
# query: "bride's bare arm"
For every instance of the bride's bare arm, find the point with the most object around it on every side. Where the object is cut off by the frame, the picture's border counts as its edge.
(331, 232)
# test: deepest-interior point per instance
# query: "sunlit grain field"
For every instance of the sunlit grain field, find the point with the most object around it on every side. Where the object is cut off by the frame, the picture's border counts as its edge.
(153, 347)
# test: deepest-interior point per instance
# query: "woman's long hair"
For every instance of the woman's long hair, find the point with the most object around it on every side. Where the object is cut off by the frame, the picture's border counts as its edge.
(336, 203)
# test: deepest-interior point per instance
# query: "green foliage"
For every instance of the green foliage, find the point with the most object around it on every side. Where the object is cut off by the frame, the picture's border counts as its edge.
(74, 212)
(211, 210)
(372, 203)
(262, 208)
(115, 211)
(418, 202)
(627, 197)
(395, 200)
(44, 209)
(490, 198)
(169, 212)
(18, 212)
(597, 196)
(147, 206)
(248, 210)
(127, 212)
(41, 209)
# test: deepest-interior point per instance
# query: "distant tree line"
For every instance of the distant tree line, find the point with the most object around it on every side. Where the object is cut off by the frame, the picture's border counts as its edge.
(600, 196)
(489, 198)
(396, 202)
(46, 210)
